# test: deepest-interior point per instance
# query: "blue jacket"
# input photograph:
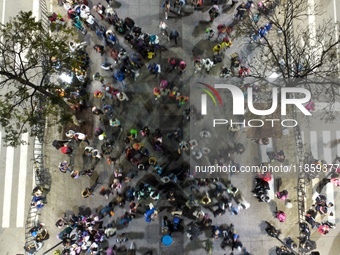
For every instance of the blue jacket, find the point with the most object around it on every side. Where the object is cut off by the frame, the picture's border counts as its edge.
(148, 214)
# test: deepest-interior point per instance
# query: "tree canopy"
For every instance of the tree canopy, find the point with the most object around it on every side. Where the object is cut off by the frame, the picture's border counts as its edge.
(28, 61)
(301, 48)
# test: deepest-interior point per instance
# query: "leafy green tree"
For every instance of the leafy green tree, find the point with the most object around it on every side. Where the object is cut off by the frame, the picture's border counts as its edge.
(29, 88)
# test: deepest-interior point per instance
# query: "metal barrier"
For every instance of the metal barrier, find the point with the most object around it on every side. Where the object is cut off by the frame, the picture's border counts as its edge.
(39, 171)
(302, 183)
(40, 180)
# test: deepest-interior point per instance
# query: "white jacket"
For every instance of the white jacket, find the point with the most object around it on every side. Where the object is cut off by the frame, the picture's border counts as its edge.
(207, 63)
(121, 96)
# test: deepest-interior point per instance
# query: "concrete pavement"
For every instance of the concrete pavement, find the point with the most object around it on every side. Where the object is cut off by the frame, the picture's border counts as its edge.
(65, 194)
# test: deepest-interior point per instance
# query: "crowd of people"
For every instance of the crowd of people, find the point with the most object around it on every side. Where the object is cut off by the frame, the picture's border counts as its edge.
(208, 197)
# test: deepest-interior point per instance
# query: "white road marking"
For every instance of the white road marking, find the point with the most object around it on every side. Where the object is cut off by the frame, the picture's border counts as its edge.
(327, 150)
(314, 144)
(22, 182)
(302, 133)
(6, 212)
(3, 13)
(337, 135)
(36, 10)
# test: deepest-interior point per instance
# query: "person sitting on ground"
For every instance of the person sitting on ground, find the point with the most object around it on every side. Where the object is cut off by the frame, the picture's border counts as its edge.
(87, 192)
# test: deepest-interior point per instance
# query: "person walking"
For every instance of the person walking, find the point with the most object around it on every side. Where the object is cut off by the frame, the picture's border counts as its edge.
(96, 111)
(178, 4)
(182, 66)
(100, 9)
(114, 122)
(98, 77)
(197, 65)
(154, 69)
(99, 49)
(166, 7)
(64, 167)
(208, 64)
(196, 3)
(66, 150)
(210, 33)
(241, 10)
(87, 192)
(323, 229)
(213, 12)
(163, 27)
(110, 230)
(182, 100)
(120, 76)
(174, 36)
(108, 110)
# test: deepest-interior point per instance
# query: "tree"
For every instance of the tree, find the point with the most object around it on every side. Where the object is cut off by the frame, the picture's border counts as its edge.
(302, 54)
(28, 65)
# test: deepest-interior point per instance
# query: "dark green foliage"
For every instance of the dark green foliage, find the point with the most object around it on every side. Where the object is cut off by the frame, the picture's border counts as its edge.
(28, 79)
